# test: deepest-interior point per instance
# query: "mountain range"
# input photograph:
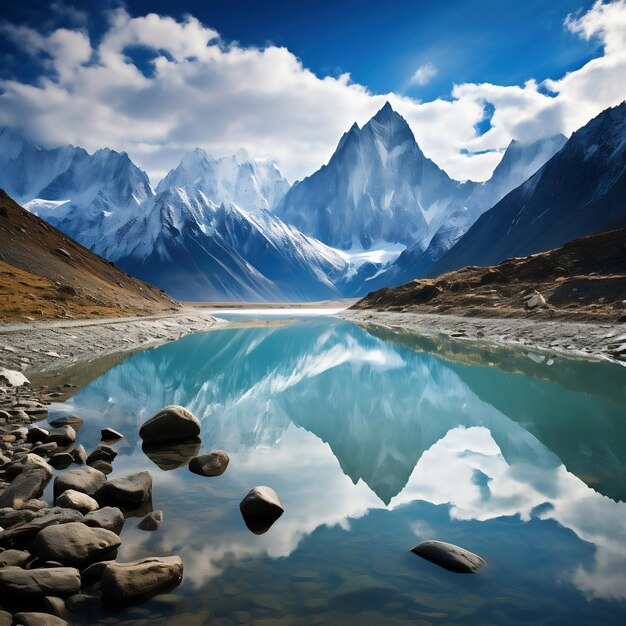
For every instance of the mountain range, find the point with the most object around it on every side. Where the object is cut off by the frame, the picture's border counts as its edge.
(379, 213)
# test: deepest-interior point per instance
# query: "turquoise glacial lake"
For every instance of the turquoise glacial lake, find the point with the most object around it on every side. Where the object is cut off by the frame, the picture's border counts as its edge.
(375, 440)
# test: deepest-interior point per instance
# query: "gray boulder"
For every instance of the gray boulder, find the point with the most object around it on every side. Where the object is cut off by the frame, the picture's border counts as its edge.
(102, 453)
(211, 464)
(260, 509)
(71, 499)
(84, 479)
(6, 619)
(108, 517)
(74, 421)
(76, 544)
(152, 521)
(63, 435)
(102, 466)
(140, 580)
(29, 484)
(449, 556)
(127, 492)
(171, 423)
(54, 581)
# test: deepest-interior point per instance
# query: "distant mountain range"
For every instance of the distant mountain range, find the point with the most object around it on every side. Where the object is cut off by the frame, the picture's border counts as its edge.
(232, 228)
(581, 190)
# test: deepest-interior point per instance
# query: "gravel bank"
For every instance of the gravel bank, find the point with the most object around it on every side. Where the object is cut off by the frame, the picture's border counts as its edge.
(43, 346)
(597, 340)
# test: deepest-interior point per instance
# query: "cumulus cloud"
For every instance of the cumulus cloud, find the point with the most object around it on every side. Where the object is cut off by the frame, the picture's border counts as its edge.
(194, 89)
(423, 74)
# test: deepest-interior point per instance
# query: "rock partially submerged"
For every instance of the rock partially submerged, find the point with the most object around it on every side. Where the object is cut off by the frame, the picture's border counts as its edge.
(127, 492)
(260, 509)
(140, 580)
(211, 464)
(76, 544)
(171, 423)
(152, 521)
(449, 556)
(74, 421)
(109, 434)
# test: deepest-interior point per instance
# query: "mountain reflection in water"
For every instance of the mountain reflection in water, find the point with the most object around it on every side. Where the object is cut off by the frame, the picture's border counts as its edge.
(374, 441)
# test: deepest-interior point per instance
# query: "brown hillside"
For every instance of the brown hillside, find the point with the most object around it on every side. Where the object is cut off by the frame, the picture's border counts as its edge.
(45, 274)
(585, 280)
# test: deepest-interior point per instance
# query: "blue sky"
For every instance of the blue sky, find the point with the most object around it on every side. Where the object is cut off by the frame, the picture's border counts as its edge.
(443, 65)
(380, 44)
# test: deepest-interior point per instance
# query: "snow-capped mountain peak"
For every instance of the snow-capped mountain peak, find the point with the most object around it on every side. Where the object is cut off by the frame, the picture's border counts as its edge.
(238, 179)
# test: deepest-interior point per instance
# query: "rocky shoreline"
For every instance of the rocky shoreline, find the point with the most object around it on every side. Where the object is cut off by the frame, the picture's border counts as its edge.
(60, 558)
(599, 340)
(53, 345)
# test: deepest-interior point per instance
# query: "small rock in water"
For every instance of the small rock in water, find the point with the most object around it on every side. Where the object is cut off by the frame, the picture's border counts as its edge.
(108, 434)
(71, 499)
(140, 580)
(449, 556)
(152, 521)
(37, 434)
(74, 421)
(260, 509)
(211, 464)
(171, 423)
(102, 453)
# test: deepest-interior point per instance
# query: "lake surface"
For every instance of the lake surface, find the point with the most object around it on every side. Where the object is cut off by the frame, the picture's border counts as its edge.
(375, 441)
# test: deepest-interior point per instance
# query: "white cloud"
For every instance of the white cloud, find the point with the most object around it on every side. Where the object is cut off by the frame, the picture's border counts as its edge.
(201, 91)
(424, 74)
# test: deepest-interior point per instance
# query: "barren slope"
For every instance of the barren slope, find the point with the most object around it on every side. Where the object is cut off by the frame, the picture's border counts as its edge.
(585, 280)
(45, 274)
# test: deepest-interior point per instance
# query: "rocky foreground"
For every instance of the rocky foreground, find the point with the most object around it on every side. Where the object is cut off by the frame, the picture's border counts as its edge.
(58, 560)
